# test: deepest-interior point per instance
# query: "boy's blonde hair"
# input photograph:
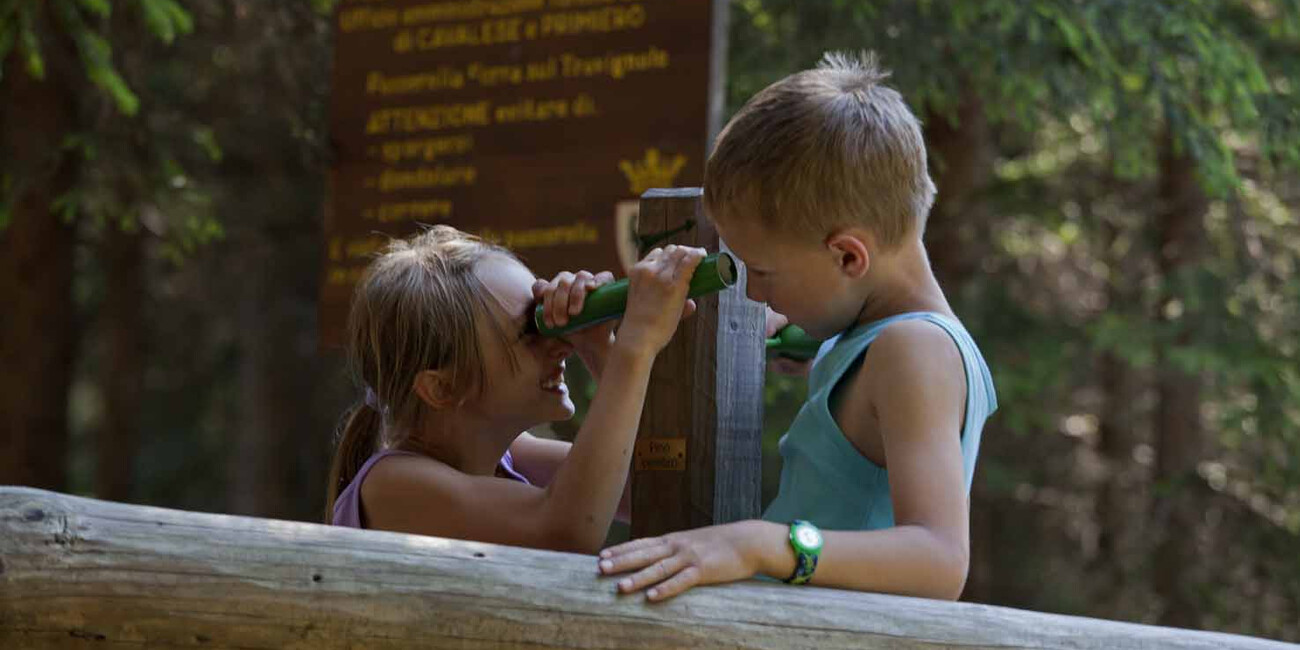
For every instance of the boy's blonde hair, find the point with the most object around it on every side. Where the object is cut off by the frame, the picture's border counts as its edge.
(821, 149)
(417, 308)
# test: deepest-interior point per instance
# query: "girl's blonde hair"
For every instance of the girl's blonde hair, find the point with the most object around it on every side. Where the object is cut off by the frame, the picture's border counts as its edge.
(415, 309)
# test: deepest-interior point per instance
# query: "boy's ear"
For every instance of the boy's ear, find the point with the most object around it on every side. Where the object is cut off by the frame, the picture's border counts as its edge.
(851, 250)
(434, 388)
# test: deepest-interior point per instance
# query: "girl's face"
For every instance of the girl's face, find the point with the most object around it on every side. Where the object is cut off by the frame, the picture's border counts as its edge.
(531, 390)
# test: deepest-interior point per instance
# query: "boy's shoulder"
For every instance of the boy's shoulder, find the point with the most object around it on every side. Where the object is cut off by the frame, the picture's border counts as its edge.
(911, 372)
(903, 338)
(915, 351)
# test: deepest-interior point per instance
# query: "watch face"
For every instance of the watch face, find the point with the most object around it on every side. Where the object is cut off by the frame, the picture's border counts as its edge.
(808, 537)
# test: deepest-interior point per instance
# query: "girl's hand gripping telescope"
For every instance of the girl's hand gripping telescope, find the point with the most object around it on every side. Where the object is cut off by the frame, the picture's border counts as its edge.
(606, 302)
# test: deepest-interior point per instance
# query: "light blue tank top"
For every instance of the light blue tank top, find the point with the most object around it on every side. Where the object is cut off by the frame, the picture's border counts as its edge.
(824, 479)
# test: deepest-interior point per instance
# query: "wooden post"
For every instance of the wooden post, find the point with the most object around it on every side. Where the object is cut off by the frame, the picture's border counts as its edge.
(698, 459)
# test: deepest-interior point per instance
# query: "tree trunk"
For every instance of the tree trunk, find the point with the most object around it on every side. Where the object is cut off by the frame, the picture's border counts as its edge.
(961, 163)
(291, 393)
(1181, 241)
(1117, 496)
(258, 468)
(122, 377)
(288, 402)
(37, 329)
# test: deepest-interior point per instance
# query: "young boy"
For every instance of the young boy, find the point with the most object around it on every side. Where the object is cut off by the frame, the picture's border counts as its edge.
(820, 185)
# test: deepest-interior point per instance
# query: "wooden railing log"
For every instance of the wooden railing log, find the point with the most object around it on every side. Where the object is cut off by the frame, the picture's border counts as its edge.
(81, 572)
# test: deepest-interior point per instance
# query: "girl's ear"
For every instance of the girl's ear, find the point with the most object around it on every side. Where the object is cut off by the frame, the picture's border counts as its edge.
(852, 251)
(435, 389)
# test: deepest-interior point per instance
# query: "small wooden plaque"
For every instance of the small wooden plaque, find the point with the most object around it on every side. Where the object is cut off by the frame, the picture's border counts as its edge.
(665, 454)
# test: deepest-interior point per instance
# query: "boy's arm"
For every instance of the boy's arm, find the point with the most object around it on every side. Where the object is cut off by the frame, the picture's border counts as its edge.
(915, 392)
(913, 382)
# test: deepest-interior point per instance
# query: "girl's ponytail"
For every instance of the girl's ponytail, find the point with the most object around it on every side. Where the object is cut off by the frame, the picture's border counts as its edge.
(358, 440)
(415, 309)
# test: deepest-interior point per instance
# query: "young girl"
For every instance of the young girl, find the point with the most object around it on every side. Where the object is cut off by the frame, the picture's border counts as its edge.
(438, 339)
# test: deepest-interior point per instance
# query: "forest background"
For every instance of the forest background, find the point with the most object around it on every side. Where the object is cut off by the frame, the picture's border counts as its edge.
(1115, 224)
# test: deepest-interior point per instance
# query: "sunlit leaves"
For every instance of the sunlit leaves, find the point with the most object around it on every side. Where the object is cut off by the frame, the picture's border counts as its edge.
(82, 21)
(166, 19)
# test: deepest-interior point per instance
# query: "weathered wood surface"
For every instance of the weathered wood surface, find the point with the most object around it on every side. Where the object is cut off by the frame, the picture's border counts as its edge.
(79, 572)
(706, 391)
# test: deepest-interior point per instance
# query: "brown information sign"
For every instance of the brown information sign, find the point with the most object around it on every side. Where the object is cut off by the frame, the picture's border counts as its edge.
(534, 123)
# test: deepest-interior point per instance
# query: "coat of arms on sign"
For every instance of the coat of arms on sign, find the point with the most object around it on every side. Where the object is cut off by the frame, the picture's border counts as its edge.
(654, 170)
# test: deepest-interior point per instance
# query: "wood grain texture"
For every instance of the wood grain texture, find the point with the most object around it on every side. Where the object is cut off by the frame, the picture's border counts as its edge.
(739, 376)
(78, 572)
(706, 387)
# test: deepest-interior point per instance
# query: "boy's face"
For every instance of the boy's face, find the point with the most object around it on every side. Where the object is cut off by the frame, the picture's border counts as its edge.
(801, 279)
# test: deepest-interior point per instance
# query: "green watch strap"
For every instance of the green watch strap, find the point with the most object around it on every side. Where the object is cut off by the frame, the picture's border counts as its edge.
(806, 540)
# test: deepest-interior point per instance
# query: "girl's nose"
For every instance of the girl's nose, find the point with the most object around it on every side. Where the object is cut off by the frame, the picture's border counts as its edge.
(558, 348)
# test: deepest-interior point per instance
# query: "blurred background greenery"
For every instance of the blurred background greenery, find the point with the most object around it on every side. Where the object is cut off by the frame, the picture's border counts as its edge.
(1115, 224)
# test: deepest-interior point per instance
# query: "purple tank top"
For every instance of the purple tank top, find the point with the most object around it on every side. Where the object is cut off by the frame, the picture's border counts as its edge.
(347, 508)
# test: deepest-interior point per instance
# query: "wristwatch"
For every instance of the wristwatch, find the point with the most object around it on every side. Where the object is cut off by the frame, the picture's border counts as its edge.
(806, 540)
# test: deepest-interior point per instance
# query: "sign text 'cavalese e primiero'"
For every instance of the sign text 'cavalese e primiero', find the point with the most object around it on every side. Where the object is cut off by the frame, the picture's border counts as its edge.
(533, 123)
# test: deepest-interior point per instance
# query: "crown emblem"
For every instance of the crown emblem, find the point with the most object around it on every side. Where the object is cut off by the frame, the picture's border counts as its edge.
(653, 171)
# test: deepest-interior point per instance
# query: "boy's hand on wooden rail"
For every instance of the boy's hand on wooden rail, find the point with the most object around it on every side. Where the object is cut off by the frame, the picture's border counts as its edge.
(669, 565)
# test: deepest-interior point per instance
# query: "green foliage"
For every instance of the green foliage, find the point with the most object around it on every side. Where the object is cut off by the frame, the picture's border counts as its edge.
(8, 38)
(28, 45)
(1201, 68)
(323, 7)
(100, 8)
(1077, 99)
(166, 19)
(83, 21)
(96, 54)
(139, 158)
(206, 139)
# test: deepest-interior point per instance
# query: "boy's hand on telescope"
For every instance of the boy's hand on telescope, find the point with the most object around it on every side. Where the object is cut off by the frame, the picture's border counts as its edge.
(669, 565)
(782, 365)
(656, 298)
(563, 297)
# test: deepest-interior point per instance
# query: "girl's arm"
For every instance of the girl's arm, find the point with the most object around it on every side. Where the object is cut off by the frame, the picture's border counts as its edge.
(573, 512)
(539, 458)
(915, 395)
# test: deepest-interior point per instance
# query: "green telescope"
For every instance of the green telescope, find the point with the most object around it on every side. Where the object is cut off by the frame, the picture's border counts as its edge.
(607, 302)
(793, 343)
